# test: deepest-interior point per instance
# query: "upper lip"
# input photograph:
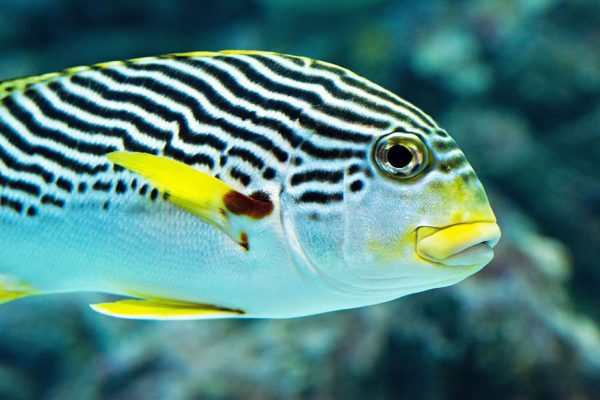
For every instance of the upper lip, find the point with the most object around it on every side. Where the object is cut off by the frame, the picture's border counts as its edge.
(459, 244)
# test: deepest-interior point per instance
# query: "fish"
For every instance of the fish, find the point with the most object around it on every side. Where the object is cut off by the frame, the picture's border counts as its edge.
(231, 184)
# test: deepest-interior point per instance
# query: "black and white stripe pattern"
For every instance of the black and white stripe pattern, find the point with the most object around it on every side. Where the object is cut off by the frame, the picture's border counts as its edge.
(242, 116)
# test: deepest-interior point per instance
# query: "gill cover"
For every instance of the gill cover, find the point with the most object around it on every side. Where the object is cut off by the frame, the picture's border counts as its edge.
(370, 244)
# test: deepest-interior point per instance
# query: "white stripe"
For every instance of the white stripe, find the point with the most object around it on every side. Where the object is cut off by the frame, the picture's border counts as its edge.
(404, 110)
(195, 125)
(49, 165)
(216, 112)
(77, 135)
(242, 79)
(310, 110)
(91, 118)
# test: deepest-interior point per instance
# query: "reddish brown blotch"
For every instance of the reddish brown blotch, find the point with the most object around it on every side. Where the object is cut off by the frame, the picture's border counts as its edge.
(240, 204)
(244, 241)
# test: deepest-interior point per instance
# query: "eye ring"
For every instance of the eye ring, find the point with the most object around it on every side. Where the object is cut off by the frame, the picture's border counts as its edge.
(401, 155)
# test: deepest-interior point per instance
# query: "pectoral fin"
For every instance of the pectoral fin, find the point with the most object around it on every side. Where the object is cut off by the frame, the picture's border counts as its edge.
(163, 310)
(195, 191)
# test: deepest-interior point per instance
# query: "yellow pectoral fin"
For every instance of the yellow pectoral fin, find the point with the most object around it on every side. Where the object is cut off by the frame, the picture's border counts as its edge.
(195, 191)
(187, 187)
(163, 310)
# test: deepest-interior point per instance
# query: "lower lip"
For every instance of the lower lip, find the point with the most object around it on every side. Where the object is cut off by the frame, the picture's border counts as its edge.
(479, 254)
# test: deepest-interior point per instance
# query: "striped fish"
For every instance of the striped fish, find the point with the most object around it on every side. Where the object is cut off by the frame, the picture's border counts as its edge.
(230, 184)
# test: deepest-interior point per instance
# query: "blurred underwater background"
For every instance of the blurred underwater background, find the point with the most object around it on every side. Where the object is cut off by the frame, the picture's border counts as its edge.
(516, 83)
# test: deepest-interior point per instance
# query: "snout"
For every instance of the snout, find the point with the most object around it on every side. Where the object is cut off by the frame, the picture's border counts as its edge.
(458, 245)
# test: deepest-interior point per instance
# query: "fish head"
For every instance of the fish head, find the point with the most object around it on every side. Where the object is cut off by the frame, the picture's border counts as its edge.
(412, 216)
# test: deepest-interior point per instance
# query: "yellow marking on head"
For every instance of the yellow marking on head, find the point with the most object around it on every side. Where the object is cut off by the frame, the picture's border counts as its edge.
(385, 252)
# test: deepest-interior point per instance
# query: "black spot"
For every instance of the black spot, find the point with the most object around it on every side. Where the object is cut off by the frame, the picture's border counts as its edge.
(445, 168)
(269, 173)
(240, 176)
(102, 186)
(15, 205)
(223, 160)
(64, 184)
(144, 189)
(118, 168)
(354, 168)
(298, 161)
(48, 199)
(82, 187)
(134, 184)
(356, 186)
(121, 187)
(154, 194)
(261, 196)
(313, 216)
(166, 195)
(31, 211)
(321, 197)
(106, 205)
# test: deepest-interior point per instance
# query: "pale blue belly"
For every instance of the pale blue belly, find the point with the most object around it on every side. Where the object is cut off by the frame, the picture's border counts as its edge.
(165, 253)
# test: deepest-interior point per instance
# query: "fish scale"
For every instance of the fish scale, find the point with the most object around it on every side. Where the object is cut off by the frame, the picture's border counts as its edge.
(262, 135)
(282, 133)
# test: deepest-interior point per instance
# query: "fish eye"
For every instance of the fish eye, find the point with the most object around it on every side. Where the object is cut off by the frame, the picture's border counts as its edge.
(401, 155)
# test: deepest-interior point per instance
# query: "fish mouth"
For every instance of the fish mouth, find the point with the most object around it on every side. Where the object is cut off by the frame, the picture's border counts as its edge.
(463, 244)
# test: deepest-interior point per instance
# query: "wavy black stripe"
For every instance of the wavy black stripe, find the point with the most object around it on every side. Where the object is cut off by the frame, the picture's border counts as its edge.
(20, 185)
(331, 153)
(49, 199)
(27, 118)
(247, 156)
(80, 124)
(240, 176)
(64, 184)
(239, 91)
(107, 93)
(312, 98)
(74, 165)
(376, 91)
(14, 204)
(218, 102)
(337, 92)
(17, 165)
(318, 175)
(190, 159)
(296, 60)
(186, 134)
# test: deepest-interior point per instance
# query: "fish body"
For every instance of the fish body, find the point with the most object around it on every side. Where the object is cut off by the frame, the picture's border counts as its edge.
(230, 184)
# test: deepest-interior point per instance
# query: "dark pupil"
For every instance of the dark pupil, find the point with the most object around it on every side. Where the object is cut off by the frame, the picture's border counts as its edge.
(399, 156)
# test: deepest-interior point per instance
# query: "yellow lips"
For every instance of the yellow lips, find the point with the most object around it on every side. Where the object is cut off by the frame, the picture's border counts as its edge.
(460, 244)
